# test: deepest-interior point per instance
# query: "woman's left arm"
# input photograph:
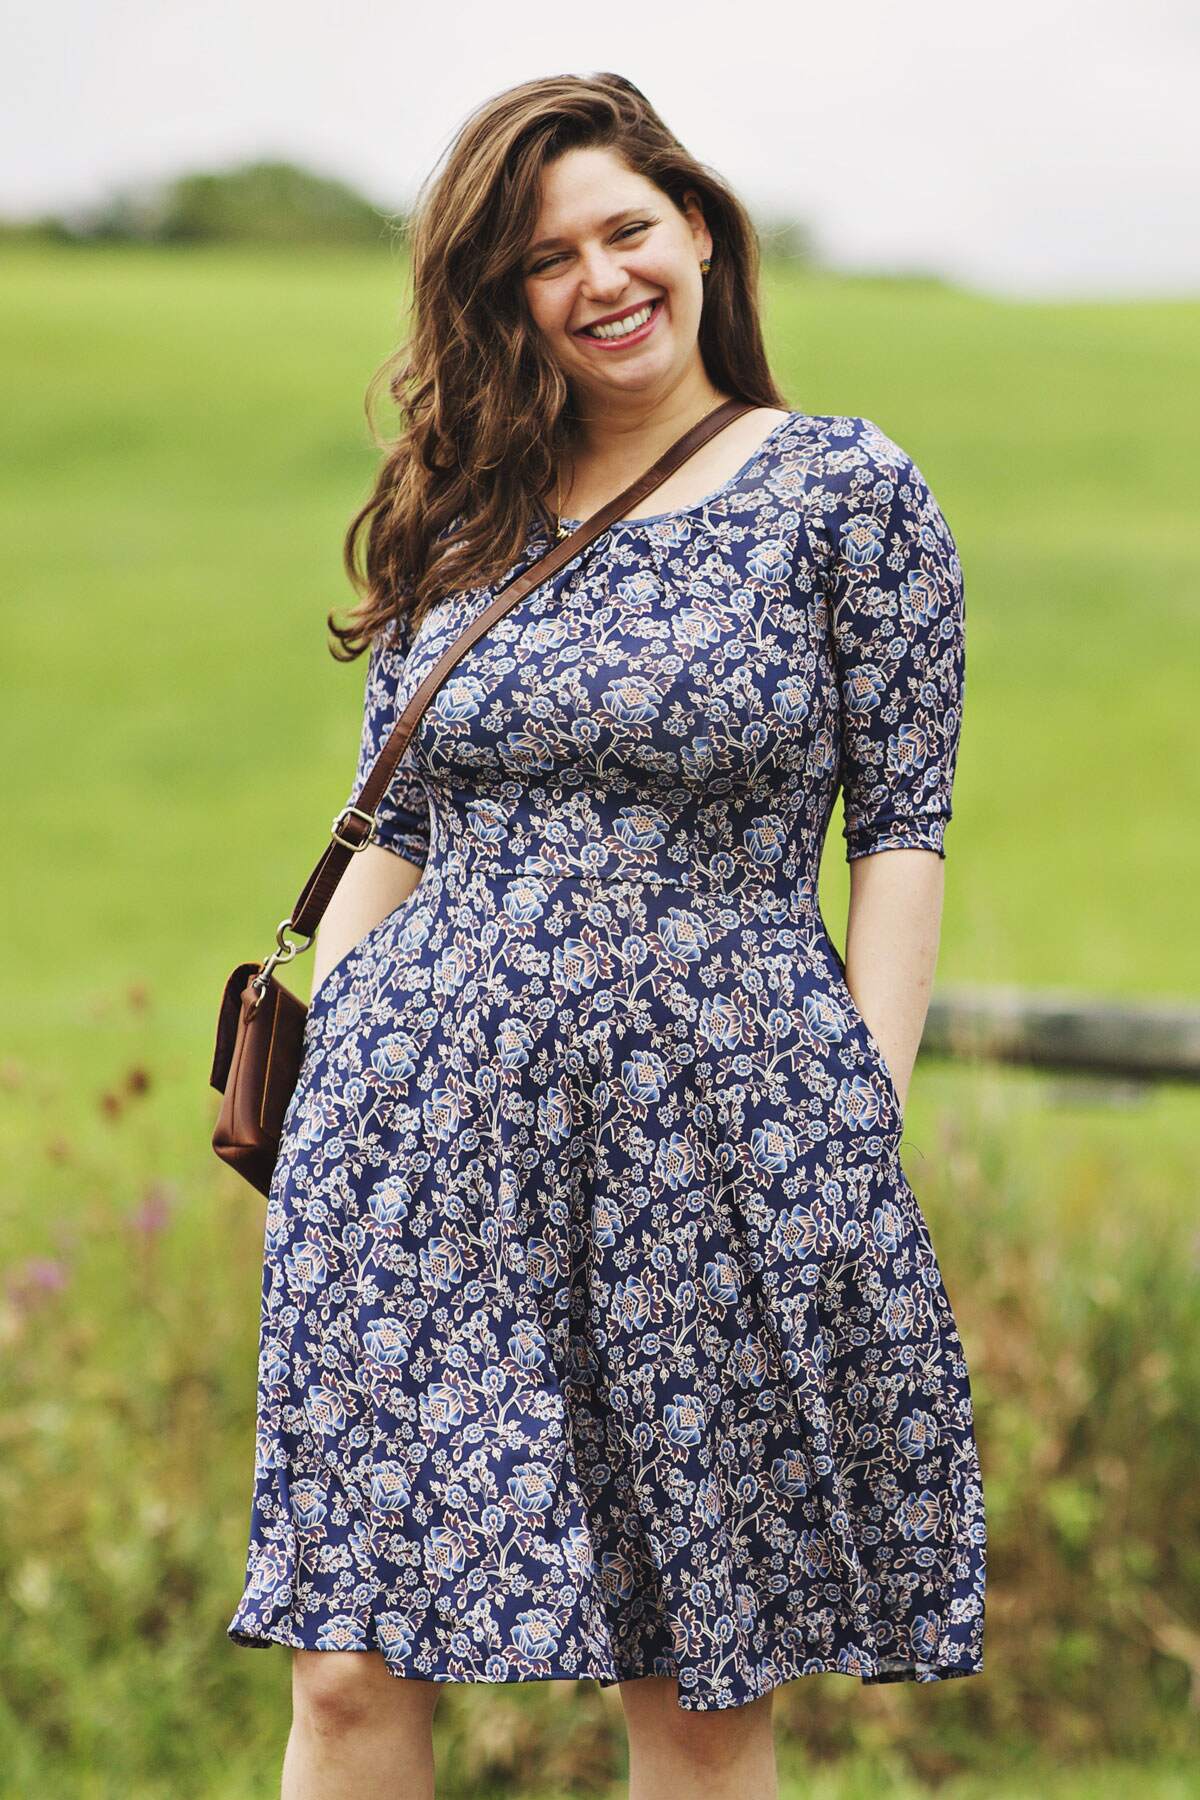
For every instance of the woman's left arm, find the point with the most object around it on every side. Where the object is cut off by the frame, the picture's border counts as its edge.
(898, 622)
(892, 936)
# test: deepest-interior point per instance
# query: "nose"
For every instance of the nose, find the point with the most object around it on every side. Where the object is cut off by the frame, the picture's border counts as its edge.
(603, 275)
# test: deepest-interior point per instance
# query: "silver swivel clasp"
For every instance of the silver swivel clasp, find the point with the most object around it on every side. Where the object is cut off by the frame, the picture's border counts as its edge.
(286, 950)
(283, 954)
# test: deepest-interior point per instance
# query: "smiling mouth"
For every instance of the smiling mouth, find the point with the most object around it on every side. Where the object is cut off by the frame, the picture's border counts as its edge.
(634, 324)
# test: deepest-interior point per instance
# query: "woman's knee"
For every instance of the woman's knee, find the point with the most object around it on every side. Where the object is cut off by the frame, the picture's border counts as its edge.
(340, 1691)
(715, 1739)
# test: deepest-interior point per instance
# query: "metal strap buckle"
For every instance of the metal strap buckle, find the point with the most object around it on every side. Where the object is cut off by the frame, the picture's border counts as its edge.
(358, 813)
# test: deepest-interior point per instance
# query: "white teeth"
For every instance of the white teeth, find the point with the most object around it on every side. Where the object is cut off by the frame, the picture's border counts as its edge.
(621, 327)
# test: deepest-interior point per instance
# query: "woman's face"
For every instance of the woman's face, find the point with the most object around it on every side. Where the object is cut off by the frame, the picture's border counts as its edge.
(609, 241)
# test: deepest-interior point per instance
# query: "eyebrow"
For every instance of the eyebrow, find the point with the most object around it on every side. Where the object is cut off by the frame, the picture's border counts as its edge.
(547, 243)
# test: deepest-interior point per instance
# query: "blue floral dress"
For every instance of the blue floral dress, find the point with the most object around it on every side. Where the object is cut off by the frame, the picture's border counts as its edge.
(602, 1334)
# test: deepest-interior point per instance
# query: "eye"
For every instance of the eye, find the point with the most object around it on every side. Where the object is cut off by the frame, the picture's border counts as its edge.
(640, 225)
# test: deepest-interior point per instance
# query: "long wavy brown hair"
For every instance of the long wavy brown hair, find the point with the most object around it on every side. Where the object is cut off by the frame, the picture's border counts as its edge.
(487, 412)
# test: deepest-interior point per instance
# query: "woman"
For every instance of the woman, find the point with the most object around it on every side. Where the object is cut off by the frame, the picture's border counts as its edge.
(602, 1332)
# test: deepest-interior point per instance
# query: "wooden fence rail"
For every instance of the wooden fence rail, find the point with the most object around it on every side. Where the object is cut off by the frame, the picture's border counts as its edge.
(1059, 1029)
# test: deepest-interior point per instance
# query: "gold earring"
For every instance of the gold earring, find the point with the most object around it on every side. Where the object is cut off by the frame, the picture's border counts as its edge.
(705, 264)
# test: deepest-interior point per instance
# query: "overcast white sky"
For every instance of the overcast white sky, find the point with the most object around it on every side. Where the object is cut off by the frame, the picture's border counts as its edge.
(1033, 148)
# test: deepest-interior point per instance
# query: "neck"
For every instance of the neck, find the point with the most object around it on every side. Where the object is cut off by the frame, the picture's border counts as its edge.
(633, 429)
(616, 444)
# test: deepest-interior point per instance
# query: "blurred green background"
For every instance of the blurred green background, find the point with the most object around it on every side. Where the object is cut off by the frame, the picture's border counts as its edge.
(184, 445)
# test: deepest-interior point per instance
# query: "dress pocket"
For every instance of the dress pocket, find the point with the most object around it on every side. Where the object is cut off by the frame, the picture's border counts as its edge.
(877, 1056)
(323, 991)
(867, 1041)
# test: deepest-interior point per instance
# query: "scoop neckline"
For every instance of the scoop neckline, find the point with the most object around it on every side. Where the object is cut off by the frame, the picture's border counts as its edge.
(681, 512)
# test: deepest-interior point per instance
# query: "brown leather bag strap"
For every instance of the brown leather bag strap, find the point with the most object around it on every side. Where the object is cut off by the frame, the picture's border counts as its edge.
(355, 826)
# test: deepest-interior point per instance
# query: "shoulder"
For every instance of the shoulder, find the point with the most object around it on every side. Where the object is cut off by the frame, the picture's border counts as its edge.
(868, 513)
(855, 473)
(846, 451)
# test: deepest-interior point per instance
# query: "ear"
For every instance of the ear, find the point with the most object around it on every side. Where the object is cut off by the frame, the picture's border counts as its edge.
(692, 210)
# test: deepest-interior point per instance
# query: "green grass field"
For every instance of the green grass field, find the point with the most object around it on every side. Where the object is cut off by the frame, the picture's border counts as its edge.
(183, 446)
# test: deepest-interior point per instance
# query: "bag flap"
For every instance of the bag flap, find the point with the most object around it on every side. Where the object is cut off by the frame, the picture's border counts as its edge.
(227, 1023)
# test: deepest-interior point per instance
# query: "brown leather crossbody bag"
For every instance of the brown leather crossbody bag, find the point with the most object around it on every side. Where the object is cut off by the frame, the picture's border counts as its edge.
(260, 1028)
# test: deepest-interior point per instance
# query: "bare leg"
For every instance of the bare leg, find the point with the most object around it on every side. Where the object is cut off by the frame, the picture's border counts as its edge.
(358, 1731)
(675, 1754)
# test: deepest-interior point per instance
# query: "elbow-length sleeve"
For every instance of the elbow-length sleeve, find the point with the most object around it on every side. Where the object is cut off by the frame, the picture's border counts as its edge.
(403, 813)
(898, 623)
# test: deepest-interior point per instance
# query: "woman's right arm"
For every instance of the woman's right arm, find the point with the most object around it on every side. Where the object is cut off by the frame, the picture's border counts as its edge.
(375, 883)
(378, 878)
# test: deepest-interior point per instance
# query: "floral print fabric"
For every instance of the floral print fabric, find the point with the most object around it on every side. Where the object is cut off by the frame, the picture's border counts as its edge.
(602, 1333)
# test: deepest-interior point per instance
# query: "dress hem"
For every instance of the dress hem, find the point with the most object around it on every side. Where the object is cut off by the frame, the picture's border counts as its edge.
(265, 1639)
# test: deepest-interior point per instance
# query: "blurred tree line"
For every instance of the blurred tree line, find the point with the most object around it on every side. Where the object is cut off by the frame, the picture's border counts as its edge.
(260, 203)
(253, 203)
